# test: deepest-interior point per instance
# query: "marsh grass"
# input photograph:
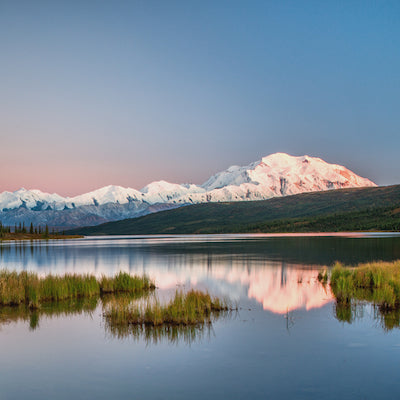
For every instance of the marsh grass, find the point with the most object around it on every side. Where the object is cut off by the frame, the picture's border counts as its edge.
(30, 289)
(123, 282)
(193, 308)
(186, 329)
(377, 282)
(129, 306)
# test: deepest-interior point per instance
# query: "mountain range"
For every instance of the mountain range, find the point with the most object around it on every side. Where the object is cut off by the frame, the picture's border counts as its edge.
(275, 175)
(374, 209)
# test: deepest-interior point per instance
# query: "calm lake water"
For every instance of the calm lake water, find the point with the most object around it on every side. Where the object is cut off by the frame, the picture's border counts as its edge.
(286, 341)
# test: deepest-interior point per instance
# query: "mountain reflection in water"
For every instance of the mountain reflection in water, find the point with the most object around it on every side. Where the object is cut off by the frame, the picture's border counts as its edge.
(283, 289)
(278, 286)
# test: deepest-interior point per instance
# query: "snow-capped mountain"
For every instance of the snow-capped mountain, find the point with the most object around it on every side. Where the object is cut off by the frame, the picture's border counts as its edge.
(278, 174)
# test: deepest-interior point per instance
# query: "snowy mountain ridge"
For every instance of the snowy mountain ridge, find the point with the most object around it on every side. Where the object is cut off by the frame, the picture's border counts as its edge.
(278, 174)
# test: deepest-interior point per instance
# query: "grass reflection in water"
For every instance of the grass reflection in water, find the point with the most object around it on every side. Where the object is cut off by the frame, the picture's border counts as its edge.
(356, 310)
(136, 313)
(375, 285)
(22, 312)
(187, 316)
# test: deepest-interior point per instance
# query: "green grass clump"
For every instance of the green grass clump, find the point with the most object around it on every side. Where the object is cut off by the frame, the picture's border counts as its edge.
(378, 282)
(56, 288)
(124, 282)
(12, 289)
(374, 283)
(30, 289)
(191, 308)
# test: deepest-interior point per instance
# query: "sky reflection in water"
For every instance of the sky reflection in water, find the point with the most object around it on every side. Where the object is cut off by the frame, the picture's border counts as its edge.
(286, 341)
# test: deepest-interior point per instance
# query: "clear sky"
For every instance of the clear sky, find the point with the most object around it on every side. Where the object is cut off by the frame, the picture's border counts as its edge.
(127, 92)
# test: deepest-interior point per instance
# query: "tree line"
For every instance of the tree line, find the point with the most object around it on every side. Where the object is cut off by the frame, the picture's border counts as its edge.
(21, 228)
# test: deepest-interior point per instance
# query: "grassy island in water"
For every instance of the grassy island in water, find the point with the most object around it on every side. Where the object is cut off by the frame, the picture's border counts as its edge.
(378, 282)
(127, 300)
(191, 308)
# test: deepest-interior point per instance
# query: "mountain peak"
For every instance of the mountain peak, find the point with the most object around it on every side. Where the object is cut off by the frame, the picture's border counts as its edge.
(284, 158)
(278, 174)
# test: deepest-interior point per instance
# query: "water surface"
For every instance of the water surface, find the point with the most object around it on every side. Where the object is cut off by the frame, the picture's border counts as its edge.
(286, 341)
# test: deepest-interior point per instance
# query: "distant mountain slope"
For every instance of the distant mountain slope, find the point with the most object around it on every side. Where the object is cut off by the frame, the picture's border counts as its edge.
(375, 208)
(276, 175)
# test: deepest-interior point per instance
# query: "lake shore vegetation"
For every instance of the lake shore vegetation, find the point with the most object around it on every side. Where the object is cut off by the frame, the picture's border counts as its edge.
(187, 309)
(127, 300)
(32, 290)
(376, 282)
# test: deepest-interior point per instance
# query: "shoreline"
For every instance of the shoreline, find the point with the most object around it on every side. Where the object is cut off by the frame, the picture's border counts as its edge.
(34, 236)
(30, 237)
(246, 234)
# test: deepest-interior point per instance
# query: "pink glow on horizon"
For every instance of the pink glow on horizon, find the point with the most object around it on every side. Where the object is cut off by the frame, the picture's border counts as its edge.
(77, 179)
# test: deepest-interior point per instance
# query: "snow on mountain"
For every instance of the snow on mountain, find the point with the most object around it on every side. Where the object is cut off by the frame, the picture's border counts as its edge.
(278, 174)
(234, 175)
(164, 192)
(104, 195)
(27, 198)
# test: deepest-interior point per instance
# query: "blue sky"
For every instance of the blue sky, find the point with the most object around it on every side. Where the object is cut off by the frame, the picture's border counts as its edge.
(127, 92)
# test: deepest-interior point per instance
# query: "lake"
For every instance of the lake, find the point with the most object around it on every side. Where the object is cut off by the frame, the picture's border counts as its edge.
(287, 340)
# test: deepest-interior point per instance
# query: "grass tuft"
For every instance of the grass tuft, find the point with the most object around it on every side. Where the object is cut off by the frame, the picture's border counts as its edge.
(191, 308)
(378, 282)
(30, 289)
(124, 282)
